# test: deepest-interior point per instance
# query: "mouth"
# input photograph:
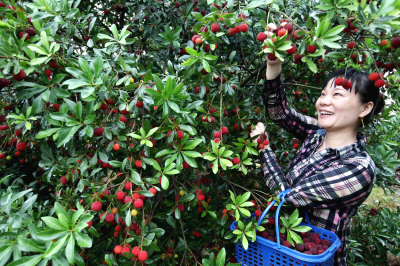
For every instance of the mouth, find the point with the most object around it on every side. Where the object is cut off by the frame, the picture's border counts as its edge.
(325, 115)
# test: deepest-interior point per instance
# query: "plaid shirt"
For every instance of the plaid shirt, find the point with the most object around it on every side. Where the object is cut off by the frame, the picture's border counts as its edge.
(330, 184)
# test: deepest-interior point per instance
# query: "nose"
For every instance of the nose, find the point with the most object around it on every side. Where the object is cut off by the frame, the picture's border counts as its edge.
(325, 100)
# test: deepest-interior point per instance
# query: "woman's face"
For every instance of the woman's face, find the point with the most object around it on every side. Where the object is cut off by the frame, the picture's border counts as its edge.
(344, 105)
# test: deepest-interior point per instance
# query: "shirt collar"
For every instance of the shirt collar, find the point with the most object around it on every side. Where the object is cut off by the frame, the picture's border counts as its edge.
(345, 151)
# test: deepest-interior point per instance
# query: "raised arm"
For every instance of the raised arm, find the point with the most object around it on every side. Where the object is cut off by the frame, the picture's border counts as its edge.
(274, 97)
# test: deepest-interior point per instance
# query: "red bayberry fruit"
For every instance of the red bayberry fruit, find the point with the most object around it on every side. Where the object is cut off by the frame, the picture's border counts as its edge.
(311, 49)
(96, 206)
(201, 197)
(110, 217)
(395, 43)
(217, 134)
(99, 131)
(142, 255)
(373, 76)
(224, 130)
(261, 36)
(138, 163)
(292, 50)
(281, 32)
(236, 160)
(139, 104)
(379, 83)
(20, 76)
(117, 249)
(153, 190)
(116, 147)
(215, 27)
(21, 146)
(296, 36)
(64, 180)
(244, 27)
(180, 134)
(136, 250)
(138, 203)
(351, 45)
(128, 186)
(53, 63)
(289, 27)
(338, 81)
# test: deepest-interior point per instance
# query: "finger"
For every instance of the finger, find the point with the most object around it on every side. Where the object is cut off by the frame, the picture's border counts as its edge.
(272, 26)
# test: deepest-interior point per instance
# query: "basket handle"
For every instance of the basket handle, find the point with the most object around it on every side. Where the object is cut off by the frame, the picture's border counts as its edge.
(281, 194)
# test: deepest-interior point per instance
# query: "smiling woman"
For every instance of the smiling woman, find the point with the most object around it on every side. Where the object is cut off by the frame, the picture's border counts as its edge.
(332, 174)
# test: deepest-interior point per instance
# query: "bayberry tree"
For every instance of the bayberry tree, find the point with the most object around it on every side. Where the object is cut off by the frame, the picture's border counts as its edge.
(124, 125)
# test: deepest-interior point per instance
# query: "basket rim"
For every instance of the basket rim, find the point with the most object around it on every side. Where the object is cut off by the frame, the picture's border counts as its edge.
(293, 253)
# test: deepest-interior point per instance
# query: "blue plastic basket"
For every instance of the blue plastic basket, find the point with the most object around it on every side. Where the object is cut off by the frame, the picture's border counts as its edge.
(264, 252)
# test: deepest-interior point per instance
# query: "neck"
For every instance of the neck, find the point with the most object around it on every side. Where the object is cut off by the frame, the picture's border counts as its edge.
(337, 140)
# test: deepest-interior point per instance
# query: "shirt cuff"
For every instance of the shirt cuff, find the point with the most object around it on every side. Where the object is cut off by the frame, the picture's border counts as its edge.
(273, 84)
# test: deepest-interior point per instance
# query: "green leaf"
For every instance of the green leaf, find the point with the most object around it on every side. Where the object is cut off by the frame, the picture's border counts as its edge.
(59, 209)
(293, 217)
(46, 133)
(83, 240)
(311, 65)
(221, 257)
(164, 182)
(245, 243)
(28, 245)
(54, 223)
(190, 61)
(187, 198)
(296, 237)
(27, 261)
(206, 66)
(333, 32)
(70, 250)
(302, 229)
(55, 247)
(191, 51)
(50, 234)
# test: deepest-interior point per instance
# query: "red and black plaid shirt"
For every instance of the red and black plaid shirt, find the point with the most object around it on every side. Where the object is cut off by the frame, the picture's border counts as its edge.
(330, 184)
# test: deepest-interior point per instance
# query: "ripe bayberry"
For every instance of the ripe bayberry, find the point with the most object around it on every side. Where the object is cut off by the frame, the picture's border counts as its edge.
(96, 206)
(261, 36)
(138, 203)
(142, 255)
(244, 27)
(117, 249)
(215, 27)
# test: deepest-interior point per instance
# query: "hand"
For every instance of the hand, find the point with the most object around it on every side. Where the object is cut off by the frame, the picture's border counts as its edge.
(272, 27)
(259, 130)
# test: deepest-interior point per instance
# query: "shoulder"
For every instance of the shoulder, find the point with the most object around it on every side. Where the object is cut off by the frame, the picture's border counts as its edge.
(362, 164)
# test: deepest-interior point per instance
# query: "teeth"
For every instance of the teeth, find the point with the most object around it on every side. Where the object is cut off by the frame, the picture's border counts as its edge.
(326, 113)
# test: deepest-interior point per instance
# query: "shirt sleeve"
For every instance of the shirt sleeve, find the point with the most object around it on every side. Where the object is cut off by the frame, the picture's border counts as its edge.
(342, 184)
(273, 174)
(292, 121)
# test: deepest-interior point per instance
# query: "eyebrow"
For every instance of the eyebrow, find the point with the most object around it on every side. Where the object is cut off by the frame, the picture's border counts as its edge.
(336, 88)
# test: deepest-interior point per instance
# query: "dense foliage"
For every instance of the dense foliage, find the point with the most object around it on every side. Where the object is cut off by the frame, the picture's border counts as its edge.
(124, 125)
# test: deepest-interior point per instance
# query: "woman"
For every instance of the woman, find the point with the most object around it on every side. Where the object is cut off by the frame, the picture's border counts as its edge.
(332, 174)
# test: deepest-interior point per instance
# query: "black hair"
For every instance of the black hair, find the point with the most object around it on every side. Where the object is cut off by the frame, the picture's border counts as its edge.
(362, 85)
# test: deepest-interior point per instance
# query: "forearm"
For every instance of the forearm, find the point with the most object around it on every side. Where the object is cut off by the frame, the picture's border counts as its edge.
(273, 70)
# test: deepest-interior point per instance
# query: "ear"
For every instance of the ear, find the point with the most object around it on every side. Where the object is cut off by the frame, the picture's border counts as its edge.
(367, 109)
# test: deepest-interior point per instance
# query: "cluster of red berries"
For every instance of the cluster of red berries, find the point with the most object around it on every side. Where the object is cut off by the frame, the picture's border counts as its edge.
(140, 255)
(262, 141)
(238, 29)
(345, 83)
(312, 243)
(377, 77)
